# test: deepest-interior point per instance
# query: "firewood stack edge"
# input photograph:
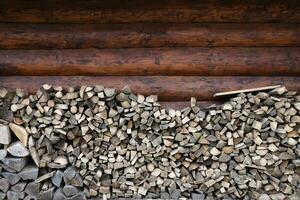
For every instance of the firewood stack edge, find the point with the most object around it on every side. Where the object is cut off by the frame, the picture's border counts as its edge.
(93, 142)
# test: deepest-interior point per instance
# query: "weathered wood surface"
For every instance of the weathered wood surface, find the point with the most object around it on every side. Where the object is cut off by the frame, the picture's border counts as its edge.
(183, 104)
(155, 61)
(77, 36)
(119, 11)
(168, 88)
(258, 89)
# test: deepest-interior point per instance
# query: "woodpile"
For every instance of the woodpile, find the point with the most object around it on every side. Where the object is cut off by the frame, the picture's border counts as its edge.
(99, 143)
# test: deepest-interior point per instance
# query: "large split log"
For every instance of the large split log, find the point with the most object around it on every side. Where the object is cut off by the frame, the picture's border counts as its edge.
(120, 11)
(78, 36)
(157, 61)
(168, 88)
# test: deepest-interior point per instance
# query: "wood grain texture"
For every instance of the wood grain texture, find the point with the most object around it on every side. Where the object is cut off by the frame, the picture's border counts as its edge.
(168, 88)
(257, 89)
(183, 104)
(156, 61)
(120, 11)
(79, 36)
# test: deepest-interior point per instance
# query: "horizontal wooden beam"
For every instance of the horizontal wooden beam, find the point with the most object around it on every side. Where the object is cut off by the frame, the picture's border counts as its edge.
(156, 61)
(79, 36)
(168, 88)
(120, 11)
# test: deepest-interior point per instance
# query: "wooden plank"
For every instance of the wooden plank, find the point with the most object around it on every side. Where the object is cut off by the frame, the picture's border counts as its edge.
(168, 88)
(156, 61)
(246, 90)
(78, 36)
(120, 11)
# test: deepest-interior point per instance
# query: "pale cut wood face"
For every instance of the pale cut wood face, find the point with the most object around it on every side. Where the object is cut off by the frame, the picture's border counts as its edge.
(187, 53)
(59, 136)
(168, 88)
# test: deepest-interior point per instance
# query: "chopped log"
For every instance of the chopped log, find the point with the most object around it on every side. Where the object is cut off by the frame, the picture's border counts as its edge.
(140, 142)
(118, 11)
(168, 88)
(81, 36)
(178, 105)
(227, 61)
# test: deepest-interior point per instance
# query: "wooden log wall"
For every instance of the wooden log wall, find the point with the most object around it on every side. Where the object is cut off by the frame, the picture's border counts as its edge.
(173, 48)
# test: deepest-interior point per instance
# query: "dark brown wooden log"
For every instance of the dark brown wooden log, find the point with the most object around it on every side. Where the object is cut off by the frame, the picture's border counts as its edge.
(157, 61)
(120, 11)
(168, 88)
(77, 36)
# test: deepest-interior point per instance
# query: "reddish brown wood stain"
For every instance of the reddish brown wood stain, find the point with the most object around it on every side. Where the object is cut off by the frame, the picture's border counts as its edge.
(175, 49)
(175, 11)
(162, 61)
(80, 36)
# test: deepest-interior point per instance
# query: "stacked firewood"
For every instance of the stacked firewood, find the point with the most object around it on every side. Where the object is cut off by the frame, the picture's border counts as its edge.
(95, 142)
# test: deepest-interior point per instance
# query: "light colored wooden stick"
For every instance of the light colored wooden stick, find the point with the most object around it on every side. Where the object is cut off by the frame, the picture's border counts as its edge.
(246, 90)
